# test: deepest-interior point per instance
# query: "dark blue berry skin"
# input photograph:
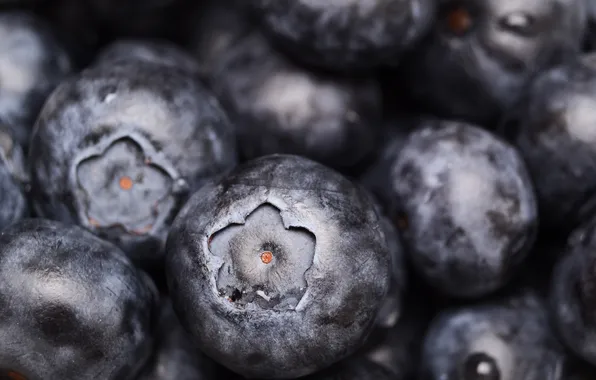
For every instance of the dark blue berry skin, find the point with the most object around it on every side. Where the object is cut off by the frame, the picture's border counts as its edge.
(280, 107)
(465, 205)
(119, 148)
(32, 64)
(552, 130)
(489, 52)
(175, 357)
(509, 338)
(279, 269)
(345, 35)
(573, 292)
(73, 306)
(155, 51)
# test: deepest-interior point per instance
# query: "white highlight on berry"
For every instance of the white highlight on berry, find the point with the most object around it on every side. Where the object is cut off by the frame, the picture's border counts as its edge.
(296, 98)
(20, 63)
(497, 349)
(581, 118)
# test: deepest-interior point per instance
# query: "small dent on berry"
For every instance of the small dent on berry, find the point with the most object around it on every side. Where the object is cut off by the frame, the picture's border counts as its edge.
(264, 263)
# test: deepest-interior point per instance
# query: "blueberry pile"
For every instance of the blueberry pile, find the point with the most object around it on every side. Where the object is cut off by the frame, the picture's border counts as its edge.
(298, 189)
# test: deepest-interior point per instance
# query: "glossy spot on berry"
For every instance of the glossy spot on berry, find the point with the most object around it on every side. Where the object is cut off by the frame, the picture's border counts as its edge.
(519, 23)
(480, 366)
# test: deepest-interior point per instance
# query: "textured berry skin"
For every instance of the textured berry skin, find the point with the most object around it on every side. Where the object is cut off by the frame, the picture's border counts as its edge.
(573, 292)
(73, 306)
(553, 131)
(309, 307)
(140, 138)
(508, 338)
(345, 35)
(32, 64)
(279, 107)
(489, 52)
(466, 207)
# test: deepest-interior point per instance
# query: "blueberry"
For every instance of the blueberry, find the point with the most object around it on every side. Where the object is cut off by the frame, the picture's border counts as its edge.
(119, 148)
(73, 306)
(283, 108)
(175, 356)
(32, 63)
(13, 181)
(496, 340)
(345, 35)
(279, 269)
(482, 54)
(465, 205)
(573, 292)
(148, 50)
(552, 129)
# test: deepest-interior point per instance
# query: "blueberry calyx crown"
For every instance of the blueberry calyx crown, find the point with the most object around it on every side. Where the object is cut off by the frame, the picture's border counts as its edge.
(123, 182)
(264, 263)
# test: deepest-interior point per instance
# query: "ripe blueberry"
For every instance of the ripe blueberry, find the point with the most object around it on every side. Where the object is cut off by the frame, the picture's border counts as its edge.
(279, 107)
(73, 306)
(118, 149)
(553, 131)
(501, 339)
(279, 269)
(346, 35)
(482, 54)
(465, 205)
